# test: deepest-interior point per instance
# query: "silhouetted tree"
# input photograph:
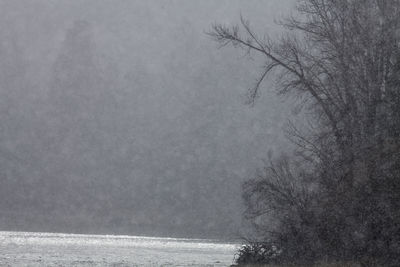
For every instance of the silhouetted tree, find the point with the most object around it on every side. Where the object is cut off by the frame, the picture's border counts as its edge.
(338, 196)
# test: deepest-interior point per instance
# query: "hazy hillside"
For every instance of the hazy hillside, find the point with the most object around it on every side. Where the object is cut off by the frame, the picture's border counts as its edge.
(124, 117)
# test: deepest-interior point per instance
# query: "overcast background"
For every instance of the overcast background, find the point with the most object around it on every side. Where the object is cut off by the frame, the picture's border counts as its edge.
(125, 117)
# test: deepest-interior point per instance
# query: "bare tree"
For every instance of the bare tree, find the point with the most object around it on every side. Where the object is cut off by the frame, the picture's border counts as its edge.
(342, 58)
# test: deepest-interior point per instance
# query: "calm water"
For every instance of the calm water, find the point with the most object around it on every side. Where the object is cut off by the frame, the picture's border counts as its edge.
(48, 249)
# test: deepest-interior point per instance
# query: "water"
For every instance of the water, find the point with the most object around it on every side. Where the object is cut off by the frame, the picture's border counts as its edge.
(53, 249)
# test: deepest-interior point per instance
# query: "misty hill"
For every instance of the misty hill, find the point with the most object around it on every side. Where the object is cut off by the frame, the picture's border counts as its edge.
(123, 117)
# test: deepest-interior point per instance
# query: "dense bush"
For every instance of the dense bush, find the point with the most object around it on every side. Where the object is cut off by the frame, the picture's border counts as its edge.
(258, 253)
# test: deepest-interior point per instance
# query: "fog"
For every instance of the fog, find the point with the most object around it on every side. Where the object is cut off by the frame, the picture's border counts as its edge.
(124, 117)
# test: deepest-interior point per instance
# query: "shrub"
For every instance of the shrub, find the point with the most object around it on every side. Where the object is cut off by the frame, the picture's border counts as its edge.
(258, 253)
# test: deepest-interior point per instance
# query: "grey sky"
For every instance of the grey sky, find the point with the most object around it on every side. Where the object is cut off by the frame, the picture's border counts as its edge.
(165, 119)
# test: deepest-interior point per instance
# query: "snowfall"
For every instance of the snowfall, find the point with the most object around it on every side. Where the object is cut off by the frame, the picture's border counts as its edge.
(53, 249)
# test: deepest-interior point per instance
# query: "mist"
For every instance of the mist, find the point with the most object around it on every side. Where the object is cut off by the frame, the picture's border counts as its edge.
(124, 117)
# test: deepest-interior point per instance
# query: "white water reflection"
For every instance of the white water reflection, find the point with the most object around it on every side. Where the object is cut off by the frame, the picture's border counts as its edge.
(53, 249)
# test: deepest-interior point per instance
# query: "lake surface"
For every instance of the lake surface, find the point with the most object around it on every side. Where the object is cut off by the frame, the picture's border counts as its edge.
(53, 249)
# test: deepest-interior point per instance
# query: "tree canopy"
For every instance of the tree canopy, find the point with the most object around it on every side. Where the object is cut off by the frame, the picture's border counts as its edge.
(337, 196)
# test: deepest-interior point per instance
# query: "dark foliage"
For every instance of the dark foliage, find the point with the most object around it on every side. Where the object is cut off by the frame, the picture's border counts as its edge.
(257, 253)
(337, 198)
